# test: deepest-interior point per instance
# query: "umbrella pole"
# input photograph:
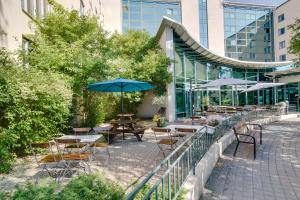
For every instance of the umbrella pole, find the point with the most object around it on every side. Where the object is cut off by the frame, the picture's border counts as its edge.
(122, 110)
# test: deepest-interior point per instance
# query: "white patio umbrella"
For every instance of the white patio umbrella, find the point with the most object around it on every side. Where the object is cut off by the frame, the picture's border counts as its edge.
(260, 86)
(228, 82)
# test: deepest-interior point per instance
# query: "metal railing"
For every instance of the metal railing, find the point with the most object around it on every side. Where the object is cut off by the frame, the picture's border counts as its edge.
(166, 180)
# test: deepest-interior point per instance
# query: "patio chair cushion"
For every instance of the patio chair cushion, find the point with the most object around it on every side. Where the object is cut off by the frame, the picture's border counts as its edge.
(58, 157)
(74, 146)
(99, 144)
(167, 141)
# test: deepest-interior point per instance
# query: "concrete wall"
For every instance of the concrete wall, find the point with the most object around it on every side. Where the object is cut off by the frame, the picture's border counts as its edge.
(190, 17)
(13, 23)
(147, 109)
(216, 26)
(290, 9)
(112, 15)
(167, 44)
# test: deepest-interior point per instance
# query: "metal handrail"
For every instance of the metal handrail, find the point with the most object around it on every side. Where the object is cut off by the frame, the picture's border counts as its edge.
(162, 163)
(192, 154)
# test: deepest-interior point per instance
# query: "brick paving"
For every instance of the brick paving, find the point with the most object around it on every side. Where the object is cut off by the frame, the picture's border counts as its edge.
(274, 175)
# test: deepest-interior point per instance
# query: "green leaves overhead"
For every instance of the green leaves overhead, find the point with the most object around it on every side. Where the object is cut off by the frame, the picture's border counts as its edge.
(294, 47)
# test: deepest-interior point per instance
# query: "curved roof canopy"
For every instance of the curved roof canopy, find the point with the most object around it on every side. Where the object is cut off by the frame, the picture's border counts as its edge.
(180, 30)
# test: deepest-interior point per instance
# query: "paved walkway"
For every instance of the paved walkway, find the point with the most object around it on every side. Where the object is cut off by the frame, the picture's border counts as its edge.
(275, 174)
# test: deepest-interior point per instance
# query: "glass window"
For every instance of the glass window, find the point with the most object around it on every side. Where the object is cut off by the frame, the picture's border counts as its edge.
(282, 57)
(248, 33)
(282, 44)
(203, 26)
(281, 31)
(141, 13)
(281, 18)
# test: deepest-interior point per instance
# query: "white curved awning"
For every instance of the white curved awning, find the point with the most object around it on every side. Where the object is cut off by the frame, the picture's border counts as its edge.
(180, 30)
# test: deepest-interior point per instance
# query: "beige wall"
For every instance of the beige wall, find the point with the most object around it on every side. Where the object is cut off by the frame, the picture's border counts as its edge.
(112, 13)
(291, 12)
(13, 23)
(216, 26)
(289, 79)
(190, 17)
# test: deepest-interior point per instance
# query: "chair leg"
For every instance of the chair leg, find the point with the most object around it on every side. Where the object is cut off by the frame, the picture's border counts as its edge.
(237, 145)
(260, 141)
(254, 150)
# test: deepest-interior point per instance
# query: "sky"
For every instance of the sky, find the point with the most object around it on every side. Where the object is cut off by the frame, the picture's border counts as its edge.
(266, 2)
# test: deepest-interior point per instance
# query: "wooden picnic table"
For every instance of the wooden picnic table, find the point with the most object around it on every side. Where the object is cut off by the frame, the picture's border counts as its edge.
(125, 116)
(127, 126)
(84, 139)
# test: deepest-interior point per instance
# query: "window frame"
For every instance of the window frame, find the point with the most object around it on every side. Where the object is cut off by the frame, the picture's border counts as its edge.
(280, 32)
(282, 44)
(280, 18)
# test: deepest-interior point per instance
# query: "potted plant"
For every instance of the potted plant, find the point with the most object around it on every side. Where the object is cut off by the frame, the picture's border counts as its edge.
(205, 101)
(211, 126)
(160, 101)
(157, 118)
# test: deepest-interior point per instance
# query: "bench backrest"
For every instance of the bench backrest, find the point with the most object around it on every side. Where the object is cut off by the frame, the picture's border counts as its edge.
(240, 128)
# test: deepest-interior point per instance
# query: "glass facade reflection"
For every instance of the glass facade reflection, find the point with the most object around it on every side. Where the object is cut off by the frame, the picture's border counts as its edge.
(148, 14)
(203, 23)
(249, 33)
(192, 70)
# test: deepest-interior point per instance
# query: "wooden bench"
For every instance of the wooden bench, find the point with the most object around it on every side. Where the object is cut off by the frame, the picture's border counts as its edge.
(245, 133)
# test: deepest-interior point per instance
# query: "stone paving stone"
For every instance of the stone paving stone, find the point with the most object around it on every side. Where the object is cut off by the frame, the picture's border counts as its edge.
(274, 175)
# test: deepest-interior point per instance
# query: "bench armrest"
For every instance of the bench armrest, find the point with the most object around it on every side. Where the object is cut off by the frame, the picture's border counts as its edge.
(247, 136)
(257, 125)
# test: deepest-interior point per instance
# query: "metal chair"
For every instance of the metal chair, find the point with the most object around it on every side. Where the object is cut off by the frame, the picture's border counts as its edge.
(166, 141)
(80, 160)
(49, 163)
(181, 133)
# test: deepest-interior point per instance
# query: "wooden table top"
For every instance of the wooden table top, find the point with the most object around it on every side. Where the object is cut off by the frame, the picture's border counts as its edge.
(123, 121)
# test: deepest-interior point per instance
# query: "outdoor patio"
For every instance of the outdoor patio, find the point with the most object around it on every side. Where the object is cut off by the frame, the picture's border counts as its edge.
(273, 175)
(129, 160)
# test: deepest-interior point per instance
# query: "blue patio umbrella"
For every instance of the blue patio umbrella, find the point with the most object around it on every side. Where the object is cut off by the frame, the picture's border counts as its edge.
(120, 85)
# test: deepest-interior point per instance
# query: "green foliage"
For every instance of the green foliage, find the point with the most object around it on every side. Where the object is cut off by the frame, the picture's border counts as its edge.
(79, 48)
(84, 187)
(294, 47)
(34, 106)
(67, 52)
(91, 187)
(138, 56)
(144, 191)
(43, 191)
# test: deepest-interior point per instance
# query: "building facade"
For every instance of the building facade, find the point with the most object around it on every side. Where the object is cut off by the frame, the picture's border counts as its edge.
(284, 15)
(195, 65)
(208, 39)
(17, 16)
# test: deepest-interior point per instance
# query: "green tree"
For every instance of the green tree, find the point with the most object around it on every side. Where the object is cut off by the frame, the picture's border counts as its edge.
(78, 47)
(294, 47)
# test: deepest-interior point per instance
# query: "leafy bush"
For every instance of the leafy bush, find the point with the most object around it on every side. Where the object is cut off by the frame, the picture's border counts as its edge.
(91, 187)
(34, 106)
(43, 191)
(84, 187)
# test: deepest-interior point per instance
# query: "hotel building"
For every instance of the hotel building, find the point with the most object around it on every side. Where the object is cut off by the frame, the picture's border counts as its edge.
(208, 39)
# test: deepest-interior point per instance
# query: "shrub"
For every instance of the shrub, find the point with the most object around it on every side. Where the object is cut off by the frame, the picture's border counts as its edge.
(91, 187)
(43, 191)
(34, 106)
(84, 187)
